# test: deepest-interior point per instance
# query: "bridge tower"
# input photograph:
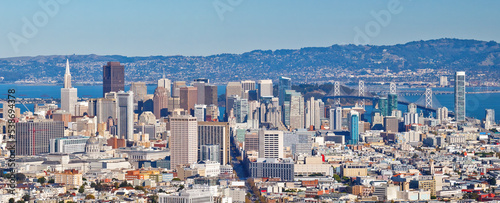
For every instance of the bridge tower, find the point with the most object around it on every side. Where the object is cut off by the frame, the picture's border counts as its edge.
(428, 98)
(336, 92)
(361, 93)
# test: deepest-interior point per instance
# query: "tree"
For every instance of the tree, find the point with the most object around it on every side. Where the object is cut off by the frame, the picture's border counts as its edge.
(20, 177)
(337, 178)
(52, 181)
(82, 189)
(26, 198)
(124, 184)
(11, 200)
(42, 180)
(89, 196)
(470, 196)
(153, 199)
(492, 181)
(92, 184)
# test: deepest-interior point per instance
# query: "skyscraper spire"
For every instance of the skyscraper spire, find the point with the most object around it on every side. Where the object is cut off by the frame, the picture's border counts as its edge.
(69, 96)
(163, 68)
(67, 76)
(67, 66)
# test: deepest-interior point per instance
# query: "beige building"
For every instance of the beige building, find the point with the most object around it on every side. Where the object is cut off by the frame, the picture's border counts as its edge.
(426, 183)
(349, 170)
(71, 178)
(183, 140)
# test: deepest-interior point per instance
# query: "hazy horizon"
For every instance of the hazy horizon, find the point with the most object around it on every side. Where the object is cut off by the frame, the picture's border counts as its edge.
(237, 53)
(204, 28)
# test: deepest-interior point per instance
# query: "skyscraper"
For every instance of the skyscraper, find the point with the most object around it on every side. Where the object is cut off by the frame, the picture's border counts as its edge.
(271, 144)
(246, 87)
(442, 115)
(140, 90)
(392, 103)
(176, 88)
(353, 118)
(460, 96)
(212, 113)
(210, 153)
(336, 118)
(102, 108)
(490, 118)
(232, 88)
(284, 84)
(200, 85)
(211, 94)
(184, 140)
(33, 138)
(314, 113)
(69, 95)
(167, 84)
(125, 114)
(443, 81)
(215, 133)
(382, 105)
(412, 108)
(240, 108)
(265, 88)
(293, 110)
(391, 124)
(200, 111)
(160, 102)
(113, 78)
(188, 98)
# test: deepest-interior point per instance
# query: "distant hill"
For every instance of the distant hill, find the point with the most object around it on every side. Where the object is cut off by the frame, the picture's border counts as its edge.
(311, 63)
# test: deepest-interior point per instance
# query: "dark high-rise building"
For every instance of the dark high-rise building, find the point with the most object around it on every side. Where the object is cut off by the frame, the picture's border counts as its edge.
(160, 102)
(284, 84)
(392, 104)
(382, 105)
(113, 78)
(188, 97)
(391, 124)
(211, 95)
(33, 138)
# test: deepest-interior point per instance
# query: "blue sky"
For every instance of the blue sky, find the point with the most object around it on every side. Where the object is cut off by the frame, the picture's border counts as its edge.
(178, 27)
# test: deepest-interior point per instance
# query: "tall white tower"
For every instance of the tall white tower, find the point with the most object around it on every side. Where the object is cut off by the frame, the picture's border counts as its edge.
(69, 95)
